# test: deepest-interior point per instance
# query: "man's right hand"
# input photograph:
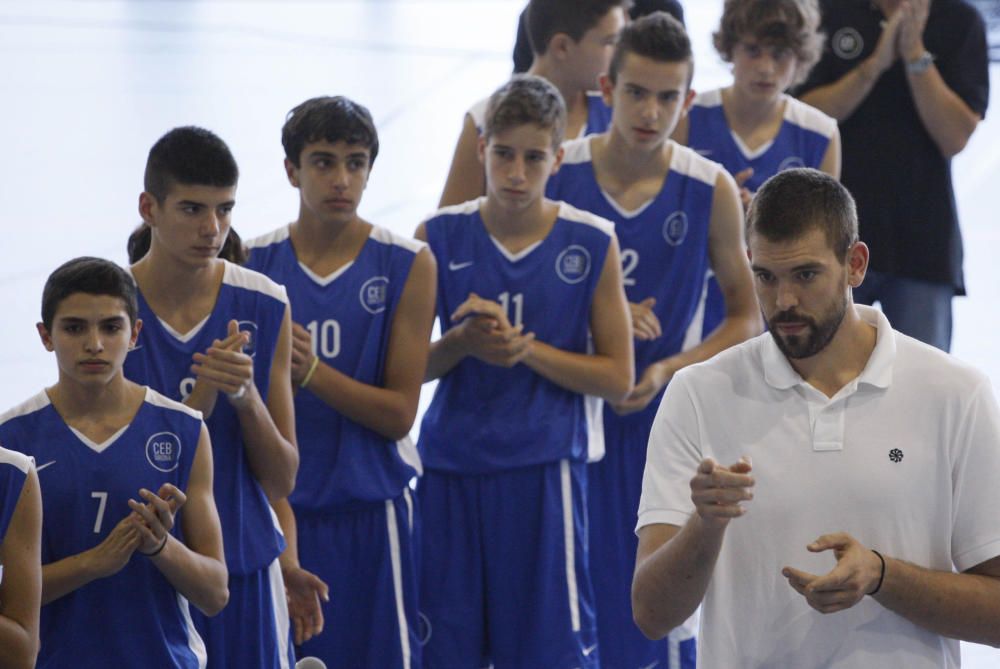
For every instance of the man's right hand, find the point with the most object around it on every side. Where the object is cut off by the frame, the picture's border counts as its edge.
(645, 323)
(111, 555)
(886, 50)
(718, 492)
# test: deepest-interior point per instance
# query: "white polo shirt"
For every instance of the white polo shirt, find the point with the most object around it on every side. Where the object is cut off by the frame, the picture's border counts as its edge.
(906, 458)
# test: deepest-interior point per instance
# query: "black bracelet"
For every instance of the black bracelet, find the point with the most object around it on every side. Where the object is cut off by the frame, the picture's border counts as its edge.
(881, 576)
(167, 536)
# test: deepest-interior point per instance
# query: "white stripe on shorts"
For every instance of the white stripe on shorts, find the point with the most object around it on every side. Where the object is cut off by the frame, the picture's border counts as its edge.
(397, 580)
(280, 607)
(569, 540)
(195, 642)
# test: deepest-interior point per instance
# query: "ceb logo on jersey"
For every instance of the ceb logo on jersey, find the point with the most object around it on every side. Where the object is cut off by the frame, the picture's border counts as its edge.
(163, 451)
(573, 264)
(250, 328)
(675, 228)
(374, 294)
(791, 163)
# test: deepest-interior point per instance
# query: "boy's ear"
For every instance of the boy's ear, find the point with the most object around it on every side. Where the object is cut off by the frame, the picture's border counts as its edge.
(560, 46)
(481, 150)
(136, 329)
(558, 162)
(292, 172)
(607, 87)
(43, 334)
(688, 101)
(147, 205)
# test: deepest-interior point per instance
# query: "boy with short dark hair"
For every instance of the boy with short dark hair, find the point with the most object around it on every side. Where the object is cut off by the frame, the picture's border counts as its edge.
(364, 301)
(572, 41)
(120, 465)
(676, 215)
(533, 320)
(234, 325)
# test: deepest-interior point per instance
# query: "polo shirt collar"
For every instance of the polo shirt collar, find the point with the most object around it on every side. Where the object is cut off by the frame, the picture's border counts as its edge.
(779, 373)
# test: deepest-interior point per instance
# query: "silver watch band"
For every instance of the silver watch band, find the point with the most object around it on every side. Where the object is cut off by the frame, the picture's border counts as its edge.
(921, 63)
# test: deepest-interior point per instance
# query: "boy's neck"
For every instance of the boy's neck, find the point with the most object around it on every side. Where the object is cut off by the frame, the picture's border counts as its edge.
(75, 402)
(517, 229)
(573, 95)
(613, 155)
(319, 242)
(746, 113)
(171, 284)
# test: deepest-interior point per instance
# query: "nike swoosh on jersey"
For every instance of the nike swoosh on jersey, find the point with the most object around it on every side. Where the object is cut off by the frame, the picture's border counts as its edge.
(452, 265)
(590, 649)
(41, 467)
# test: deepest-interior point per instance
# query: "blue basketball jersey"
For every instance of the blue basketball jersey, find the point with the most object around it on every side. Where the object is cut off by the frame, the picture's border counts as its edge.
(349, 315)
(161, 359)
(664, 243)
(485, 418)
(135, 617)
(801, 141)
(598, 114)
(13, 472)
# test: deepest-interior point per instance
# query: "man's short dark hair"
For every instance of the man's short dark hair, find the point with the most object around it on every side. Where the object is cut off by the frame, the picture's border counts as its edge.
(788, 24)
(190, 156)
(93, 276)
(657, 36)
(796, 201)
(547, 18)
(332, 119)
(526, 100)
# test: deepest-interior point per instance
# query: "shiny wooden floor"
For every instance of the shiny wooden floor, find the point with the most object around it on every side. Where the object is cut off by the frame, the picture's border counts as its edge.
(90, 85)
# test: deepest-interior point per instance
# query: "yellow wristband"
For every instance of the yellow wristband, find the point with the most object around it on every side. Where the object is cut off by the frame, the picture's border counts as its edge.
(312, 370)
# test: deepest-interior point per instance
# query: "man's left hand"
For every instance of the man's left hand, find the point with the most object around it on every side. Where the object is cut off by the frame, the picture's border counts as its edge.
(856, 574)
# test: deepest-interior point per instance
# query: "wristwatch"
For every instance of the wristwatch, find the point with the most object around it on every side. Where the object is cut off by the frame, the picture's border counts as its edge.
(920, 64)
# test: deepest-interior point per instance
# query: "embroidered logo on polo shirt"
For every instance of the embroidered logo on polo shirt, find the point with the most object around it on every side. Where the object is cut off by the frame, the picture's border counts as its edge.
(896, 455)
(847, 43)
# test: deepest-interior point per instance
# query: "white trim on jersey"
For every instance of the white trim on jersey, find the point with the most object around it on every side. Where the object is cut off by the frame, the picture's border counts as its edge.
(748, 153)
(571, 213)
(273, 237)
(156, 399)
(195, 642)
(692, 164)
(409, 454)
(325, 281)
(808, 117)
(38, 401)
(593, 408)
(13, 458)
(386, 236)
(187, 336)
(392, 527)
(466, 207)
(576, 151)
(93, 445)
(279, 603)
(566, 482)
(693, 334)
(520, 255)
(241, 277)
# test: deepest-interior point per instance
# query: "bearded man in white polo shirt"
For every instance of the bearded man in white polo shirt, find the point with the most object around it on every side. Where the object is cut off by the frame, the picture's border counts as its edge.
(833, 458)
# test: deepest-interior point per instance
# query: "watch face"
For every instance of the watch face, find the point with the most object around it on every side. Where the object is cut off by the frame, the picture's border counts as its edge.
(920, 64)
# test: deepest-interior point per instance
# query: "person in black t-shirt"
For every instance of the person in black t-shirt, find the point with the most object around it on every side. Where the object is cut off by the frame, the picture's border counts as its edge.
(908, 82)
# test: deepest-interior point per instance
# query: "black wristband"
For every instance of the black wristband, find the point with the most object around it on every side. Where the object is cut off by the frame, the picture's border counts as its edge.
(881, 576)
(163, 545)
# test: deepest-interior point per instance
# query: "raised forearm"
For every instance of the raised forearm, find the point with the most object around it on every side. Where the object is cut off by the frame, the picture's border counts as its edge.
(961, 606)
(598, 375)
(946, 117)
(200, 579)
(273, 459)
(841, 98)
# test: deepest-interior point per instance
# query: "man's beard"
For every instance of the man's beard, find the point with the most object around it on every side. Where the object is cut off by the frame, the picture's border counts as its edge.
(817, 335)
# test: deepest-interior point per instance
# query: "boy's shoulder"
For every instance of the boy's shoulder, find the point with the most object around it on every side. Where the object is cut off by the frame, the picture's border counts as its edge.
(270, 238)
(571, 214)
(688, 162)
